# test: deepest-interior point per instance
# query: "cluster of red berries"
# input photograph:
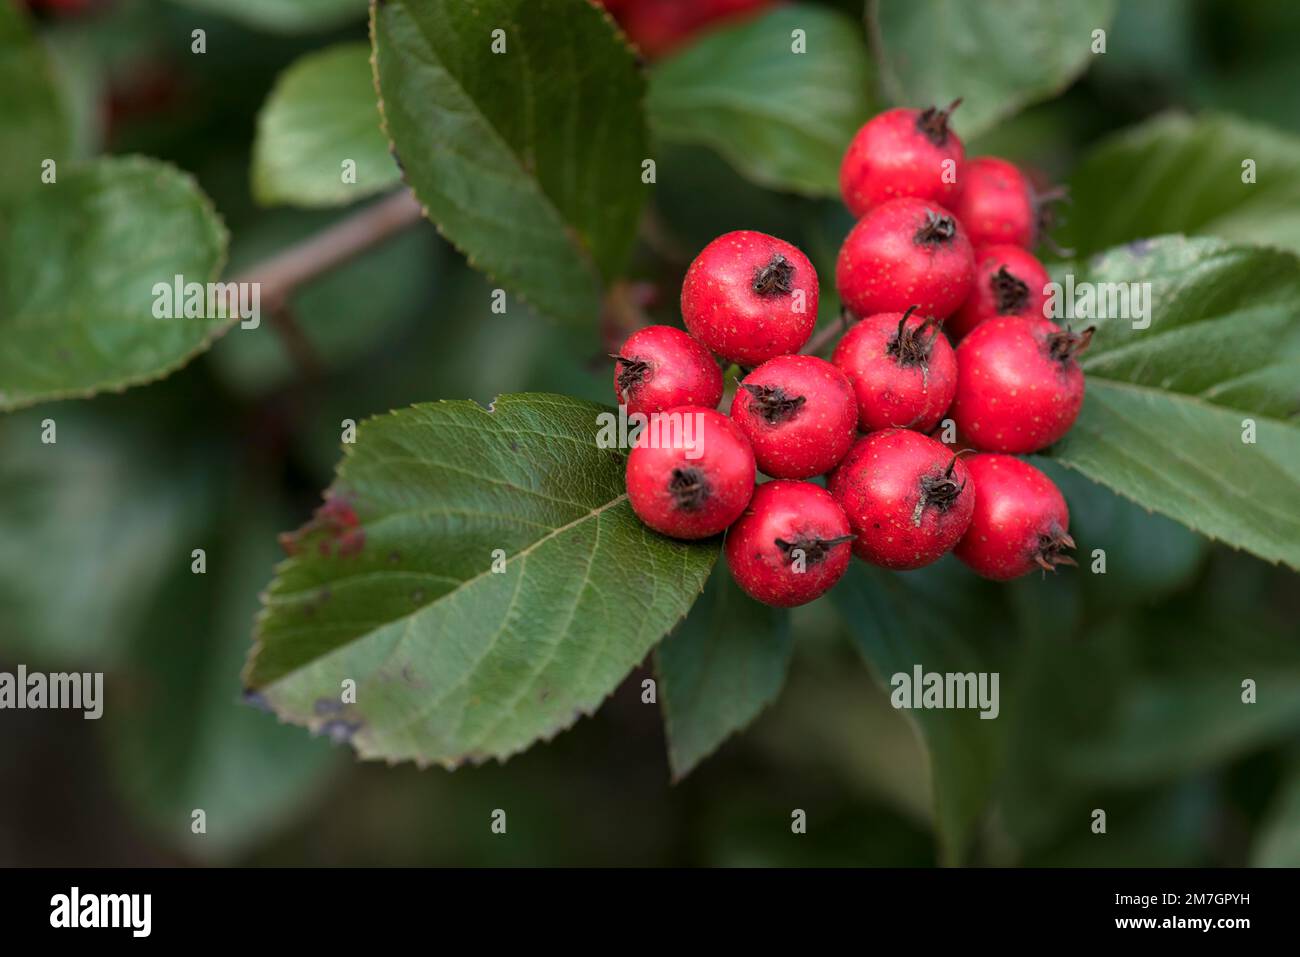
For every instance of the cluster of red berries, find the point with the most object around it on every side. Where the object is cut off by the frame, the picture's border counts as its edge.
(918, 275)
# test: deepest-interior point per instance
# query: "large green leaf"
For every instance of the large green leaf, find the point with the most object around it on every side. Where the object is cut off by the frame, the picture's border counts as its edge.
(783, 118)
(453, 660)
(936, 619)
(724, 665)
(529, 160)
(1177, 174)
(998, 57)
(78, 263)
(33, 121)
(322, 111)
(285, 16)
(1162, 423)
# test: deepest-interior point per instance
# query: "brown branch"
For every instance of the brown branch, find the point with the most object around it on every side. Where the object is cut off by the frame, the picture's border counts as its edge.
(281, 275)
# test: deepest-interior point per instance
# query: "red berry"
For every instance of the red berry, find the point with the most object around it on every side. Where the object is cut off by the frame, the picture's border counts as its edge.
(690, 473)
(908, 498)
(997, 204)
(789, 546)
(799, 415)
(905, 252)
(660, 367)
(902, 152)
(902, 368)
(1019, 387)
(749, 297)
(658, 27)
(1009, 281)
(1020, 521)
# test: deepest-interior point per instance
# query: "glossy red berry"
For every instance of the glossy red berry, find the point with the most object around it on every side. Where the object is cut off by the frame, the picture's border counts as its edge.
(905, 252)
(997, 204)
(790, 545)
(750, 297)
(1020, 520)
(690, 473)
(908, 498)
(902, 369)
(1019, 387)
(660, 367)
(799, 414)
(1009, 281)
(902, 152)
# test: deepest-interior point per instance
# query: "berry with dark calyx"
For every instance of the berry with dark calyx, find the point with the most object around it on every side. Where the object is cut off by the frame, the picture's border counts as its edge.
(905, 252)
(690, 473)
(799, 414)
(659, 367)
(790, 545)
(998, 205)
(1009, 281)
(1020, 522)
(908, 498)
(902, 152)
(750, 297)
(903, 370)
(1019, 386)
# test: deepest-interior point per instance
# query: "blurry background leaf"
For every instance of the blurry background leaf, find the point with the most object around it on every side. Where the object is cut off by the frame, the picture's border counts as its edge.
(322, 111)
(287, 16)
(454, 661)
(934, 617)
(181, 737)
(783, 118)
(544, 199)
(998, 57)
(90, 525)
(76, 317)
(1144, 700)
(722, 666)
(1278, 844)
(1162, 422)
(34, 123)
(1177, 174)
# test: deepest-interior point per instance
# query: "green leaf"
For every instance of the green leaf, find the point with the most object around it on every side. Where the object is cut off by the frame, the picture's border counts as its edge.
(782, 118)
(724, 665)
(33, 121)
(529, 160)
(78, 262)
(285, 16)
(1166, 407)
(185, 740)
(452, 660)
(998, 57)
(1184, 175)
(89, 525)
(928, 618)
(322, 112)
